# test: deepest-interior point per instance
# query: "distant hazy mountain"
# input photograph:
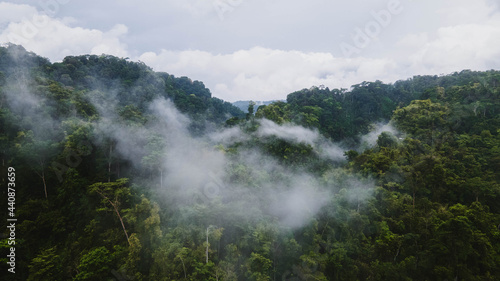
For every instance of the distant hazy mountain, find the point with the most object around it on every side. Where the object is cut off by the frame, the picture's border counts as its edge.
(243, 105)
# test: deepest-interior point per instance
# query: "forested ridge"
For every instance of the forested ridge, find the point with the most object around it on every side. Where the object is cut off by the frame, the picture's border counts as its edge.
(123, 173)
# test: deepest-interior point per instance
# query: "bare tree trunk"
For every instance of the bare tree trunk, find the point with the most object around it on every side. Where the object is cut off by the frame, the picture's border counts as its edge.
(397, 253)
(118, 214)
(121, 220)
(183, 267)
(44, 185)
(42, 176)
(109, 162)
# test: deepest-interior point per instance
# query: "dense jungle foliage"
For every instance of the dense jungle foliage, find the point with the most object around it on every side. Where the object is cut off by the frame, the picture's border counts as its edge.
(111, 182)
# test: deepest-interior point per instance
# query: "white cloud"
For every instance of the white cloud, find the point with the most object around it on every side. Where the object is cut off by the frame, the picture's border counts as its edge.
(228, 136)
(55, 38)
(299, 134)
(413, 41)
(453, 48)
(13, 12)
(451, 35)
(458, 12)
(263, 74)
(291, 133)
(196, 7)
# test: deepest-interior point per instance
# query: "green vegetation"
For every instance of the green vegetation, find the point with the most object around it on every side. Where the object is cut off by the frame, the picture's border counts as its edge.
(113, 183)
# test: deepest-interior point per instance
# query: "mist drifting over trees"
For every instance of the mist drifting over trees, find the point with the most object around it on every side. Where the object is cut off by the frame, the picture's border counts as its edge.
(123, 173)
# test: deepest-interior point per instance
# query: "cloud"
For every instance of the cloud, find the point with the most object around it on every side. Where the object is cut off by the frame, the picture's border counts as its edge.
(466, 12)
(196, 173)
(196, 7)
(228, 136)
(290, 133)
(296, 205)
(55, 38)
(190, 172)
(24, 100)
(299, 134)
(463, 36)
(265, 74)
(468, 46)
(14, 12)
(242, 61)
(331, 151)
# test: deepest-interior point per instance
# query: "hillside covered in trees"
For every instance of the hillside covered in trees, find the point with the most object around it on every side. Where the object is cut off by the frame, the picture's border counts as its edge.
(123, 173)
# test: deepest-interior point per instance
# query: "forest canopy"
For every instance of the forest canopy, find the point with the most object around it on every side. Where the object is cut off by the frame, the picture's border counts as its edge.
(124, 173)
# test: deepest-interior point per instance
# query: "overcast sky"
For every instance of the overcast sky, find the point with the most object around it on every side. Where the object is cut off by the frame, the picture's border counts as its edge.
(265, 49)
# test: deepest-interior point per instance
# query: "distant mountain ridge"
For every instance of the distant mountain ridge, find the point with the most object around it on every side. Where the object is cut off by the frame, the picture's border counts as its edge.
(243, 105)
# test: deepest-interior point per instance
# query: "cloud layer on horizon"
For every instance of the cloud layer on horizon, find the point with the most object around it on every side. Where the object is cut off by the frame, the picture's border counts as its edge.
(462, 36)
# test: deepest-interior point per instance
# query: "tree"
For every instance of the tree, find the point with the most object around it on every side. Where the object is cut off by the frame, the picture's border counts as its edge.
(113, 194)
(38, 153)
(95, 265)
(250, 113)
(275, 112)
(387, 139)
(422, 118)
(46, 266)
(155, 153)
